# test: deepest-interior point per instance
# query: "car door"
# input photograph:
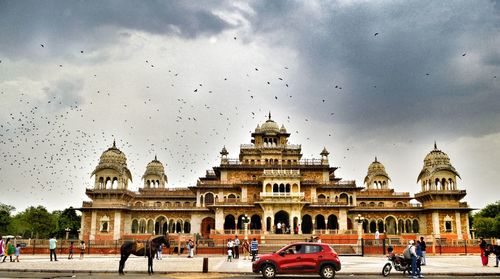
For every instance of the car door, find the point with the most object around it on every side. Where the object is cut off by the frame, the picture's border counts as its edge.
(310, 257)
(289, 260)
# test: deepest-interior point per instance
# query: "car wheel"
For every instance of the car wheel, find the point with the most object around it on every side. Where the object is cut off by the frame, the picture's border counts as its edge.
(387, 269)
(268, 271)
(327, 272)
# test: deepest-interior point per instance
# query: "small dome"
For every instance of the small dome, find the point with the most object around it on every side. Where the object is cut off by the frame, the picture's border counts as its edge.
(376, 169)
(113, 158)
(155, 167)
(282, 129)
(224, 151)
(436, 161)
(113, 155)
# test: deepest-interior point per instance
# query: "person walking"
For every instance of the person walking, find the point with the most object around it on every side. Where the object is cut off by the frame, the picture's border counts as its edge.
(230, 246)
(236, 247)
(8, 250)
(377, 236)
(254, 248)
(71, 247)
(159, 252)
(82, 249)
(414, 270)
(484, 254)
(423, 247)
(52, 248)
(17, 252)
(246, 248)
(278, 228)
(229, 255)
(191, 248)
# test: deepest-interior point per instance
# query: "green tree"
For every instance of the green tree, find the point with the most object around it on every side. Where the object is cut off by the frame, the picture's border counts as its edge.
(68, 219)
(487, 221)
(5, 217)
(38, 222)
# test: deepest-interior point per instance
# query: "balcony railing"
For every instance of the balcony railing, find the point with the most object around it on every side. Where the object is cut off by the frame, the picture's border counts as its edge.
(281, 195)
(267, 146)
(303, 162)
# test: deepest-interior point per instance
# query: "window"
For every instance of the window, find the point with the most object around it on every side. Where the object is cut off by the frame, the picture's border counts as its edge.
(447, 226)
(310, 249)
(104, 226)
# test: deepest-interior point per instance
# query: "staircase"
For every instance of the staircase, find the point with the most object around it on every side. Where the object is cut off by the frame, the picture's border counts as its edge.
(273, 242)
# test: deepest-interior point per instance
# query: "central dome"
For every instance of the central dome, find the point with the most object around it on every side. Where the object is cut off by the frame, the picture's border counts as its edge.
(113, 156)
(270, 126)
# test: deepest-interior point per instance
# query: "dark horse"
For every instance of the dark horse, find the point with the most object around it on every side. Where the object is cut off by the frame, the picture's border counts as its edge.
(147, 248)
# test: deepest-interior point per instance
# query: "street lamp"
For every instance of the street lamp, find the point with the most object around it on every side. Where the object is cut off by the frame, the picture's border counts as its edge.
(359, 219)
(67, 230)
(246, 220)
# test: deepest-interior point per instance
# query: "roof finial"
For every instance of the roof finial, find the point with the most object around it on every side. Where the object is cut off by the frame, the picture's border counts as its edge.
(114, 143)
(155, 158)
(376, 159)
(435, 145)
(269, 115)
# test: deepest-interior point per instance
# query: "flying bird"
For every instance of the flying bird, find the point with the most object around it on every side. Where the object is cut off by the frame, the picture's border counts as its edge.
(375, 34)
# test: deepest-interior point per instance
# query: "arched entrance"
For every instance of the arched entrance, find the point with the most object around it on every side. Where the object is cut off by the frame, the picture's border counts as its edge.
(320, 222)
(229, 223)
(241, 224)
(160, 225)
(255, 223)
(283, 218)
(207, 224)
(306, 224)
(390, 225)
(333, 223)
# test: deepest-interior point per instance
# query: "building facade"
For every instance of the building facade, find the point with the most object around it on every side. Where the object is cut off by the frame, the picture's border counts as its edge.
(270, 183)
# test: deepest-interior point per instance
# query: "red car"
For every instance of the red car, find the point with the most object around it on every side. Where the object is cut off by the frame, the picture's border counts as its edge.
(299, 258)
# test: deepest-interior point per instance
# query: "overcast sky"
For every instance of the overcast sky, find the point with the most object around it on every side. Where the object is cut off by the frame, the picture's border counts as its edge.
(180, 80)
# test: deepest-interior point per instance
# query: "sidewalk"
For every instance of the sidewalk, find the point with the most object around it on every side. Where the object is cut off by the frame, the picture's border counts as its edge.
(370, 265)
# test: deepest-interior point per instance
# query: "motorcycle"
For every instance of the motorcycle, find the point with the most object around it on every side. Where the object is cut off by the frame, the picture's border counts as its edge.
(399, 263)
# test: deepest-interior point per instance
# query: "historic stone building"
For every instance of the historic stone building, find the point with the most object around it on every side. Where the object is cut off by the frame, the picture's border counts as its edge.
(270, 182)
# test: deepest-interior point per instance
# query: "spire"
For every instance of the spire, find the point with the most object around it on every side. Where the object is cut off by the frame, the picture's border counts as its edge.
(376, 159)
(114, 143)
(155, 158)
(269, 115)
(435, 146)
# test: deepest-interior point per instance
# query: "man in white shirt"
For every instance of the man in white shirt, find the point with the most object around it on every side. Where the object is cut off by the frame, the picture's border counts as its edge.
(278, 227)
(377, 236)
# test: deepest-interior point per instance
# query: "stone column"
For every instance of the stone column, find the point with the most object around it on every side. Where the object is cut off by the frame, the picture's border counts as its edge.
(117, 225)
(458, 222)
(343, 219)
(435, 224)
(93, 223)
(82, 226)
(219, 219)
(244, 194)
(198, 203)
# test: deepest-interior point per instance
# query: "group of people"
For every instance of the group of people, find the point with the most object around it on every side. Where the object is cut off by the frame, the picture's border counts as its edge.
(233, 248)
(53, 246)
(487, 249)
(7, 249)
(415, 251)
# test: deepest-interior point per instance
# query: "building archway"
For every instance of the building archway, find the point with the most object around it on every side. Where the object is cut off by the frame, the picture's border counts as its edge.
(333, 223)
(416, 226)
(229, 222)
(306, 224)
(320, 222)
(241, 224)
(281, 217)
(373, 226)
(255, 222)
(159, 225)
(380, 226)
(209, 199)
(390, 225)
(207, 224)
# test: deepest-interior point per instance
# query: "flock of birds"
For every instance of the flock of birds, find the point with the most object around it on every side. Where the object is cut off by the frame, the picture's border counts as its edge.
(53, 146)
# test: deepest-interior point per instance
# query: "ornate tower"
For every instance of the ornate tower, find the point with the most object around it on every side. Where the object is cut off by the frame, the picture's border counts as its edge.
(377, 177)
(112, 171)
(154, 176)
(438, 181)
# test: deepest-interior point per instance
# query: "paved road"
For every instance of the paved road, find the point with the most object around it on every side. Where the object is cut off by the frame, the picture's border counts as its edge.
(8, 275)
